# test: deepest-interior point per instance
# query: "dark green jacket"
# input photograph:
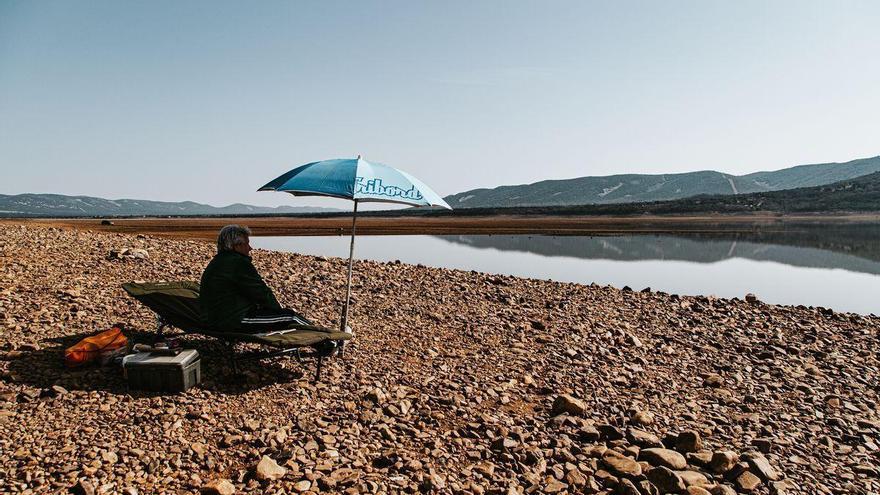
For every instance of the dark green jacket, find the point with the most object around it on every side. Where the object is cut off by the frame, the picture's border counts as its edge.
(230, 289)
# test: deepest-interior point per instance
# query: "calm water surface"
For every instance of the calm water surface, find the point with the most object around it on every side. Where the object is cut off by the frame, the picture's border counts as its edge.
(829, 267)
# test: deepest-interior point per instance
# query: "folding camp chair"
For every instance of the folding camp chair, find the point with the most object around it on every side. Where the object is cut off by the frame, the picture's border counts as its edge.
(176, 304)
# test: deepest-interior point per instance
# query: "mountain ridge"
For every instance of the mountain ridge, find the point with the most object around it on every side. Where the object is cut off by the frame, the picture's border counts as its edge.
(60, 205)
(639, 188)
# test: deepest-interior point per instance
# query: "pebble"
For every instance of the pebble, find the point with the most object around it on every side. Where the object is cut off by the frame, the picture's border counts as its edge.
(448, 386)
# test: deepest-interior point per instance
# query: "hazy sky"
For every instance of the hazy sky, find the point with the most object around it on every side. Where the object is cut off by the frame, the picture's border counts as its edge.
(207, 101)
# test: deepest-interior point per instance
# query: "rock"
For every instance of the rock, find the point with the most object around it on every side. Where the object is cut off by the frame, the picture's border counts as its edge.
(139, 253)
(699, 459)
(697, 490)
(230, 440)
(400, 415)
(723, 462)
(12, 355)
(567, 404)
(302, 486)
(751, 298)
(621, 466)
(109, 457)
(761, 466)
(575, 478)
(219, 486)
(713, 381)
(503, 445)
(722, 490)
(692, 478)
(58, 390)
(626, 487)
(553, 485)
(643, 418)
(643, 438)
(610, 432)
(663, 457)
(747, 482)
(588, 434)
(763, 445)
(199, 449)
(688, 441)
(666, 480)
(82, 487)
(268, 469)
(648, 488)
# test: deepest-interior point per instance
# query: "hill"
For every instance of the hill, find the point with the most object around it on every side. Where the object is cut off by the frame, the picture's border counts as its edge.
(633, 188)
(57, 205)
(861, 194)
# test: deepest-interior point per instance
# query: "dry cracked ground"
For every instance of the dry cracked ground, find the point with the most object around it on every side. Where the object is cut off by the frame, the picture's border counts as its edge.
(457, 382)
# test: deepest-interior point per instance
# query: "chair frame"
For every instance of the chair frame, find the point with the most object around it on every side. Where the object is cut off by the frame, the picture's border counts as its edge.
(162, 324)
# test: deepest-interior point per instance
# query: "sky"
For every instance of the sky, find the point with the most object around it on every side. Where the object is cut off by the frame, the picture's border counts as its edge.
(207, 101)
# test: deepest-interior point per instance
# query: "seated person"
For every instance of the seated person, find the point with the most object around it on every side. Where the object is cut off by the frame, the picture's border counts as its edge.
(233, 296)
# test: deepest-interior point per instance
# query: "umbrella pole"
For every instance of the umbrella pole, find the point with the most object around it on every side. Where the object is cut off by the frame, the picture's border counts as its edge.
(350, 259)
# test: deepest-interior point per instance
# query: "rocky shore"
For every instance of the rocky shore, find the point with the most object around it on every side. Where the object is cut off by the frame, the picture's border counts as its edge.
(456, 382)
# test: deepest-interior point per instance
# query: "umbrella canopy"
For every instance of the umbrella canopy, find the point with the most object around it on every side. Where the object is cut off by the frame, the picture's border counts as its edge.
(358, 180)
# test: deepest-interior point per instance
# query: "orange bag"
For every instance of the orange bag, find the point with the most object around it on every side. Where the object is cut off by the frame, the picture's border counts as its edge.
(103, 346)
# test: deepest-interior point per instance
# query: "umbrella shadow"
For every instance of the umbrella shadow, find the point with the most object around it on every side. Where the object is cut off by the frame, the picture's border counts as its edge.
(44, 368)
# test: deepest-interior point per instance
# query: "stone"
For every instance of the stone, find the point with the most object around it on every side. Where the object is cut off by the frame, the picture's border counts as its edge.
(610, 432)
(692, 478)
(643, 438)
(621, 466)
(763, 445)
(747, 482)
(713, 380)
(648, 488)
(688, 441)
(199, 449)
(83, 487)
(666, 480)
(761, 466)
(588, 434)
(553, 485)
(722, 490)
(751, 298)
(626, 487)
(503, 445)
(109, 457)
(643, 418)
(567, 404)
(58, 390)
(699, 459)
(267, 469)
(218, 486)
(723, 462)
(697, 490)
(575, 478)
(663, 457)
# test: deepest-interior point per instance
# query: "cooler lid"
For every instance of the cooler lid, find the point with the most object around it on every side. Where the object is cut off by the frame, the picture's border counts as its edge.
(182, 359)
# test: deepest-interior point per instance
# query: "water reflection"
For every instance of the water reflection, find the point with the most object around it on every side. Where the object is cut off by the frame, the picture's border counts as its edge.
(852, 247)
(833, 266)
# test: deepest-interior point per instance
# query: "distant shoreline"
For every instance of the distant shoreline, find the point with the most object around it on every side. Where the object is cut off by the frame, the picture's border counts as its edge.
(207, 227)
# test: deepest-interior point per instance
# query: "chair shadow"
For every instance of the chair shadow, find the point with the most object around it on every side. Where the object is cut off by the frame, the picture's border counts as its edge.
(45, 367)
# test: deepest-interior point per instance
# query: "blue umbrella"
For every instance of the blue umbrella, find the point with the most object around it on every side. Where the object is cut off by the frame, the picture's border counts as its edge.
(358, 180)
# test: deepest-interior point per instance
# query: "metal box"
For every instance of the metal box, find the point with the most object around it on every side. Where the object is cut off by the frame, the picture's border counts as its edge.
(163, 373)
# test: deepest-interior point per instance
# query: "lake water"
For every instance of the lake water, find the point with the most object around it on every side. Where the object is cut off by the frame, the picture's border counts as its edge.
(836, 268)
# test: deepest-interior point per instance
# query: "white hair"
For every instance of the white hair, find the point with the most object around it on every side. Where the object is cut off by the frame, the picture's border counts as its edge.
(231, 236)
